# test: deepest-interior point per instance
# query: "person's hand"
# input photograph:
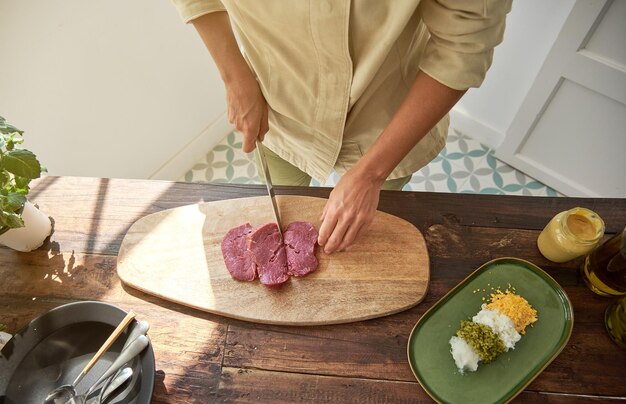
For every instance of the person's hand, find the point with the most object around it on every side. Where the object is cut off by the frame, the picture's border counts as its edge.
(349, 211)
(247, 110)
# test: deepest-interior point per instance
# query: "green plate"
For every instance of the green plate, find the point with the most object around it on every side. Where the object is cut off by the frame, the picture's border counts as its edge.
(501, 380)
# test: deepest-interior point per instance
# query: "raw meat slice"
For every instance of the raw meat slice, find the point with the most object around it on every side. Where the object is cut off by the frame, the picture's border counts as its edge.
(239, 260)
(269, 254)
(248, 252)
(300, 241)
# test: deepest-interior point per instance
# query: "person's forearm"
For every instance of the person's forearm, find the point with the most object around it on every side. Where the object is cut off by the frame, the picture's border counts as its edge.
(425, 104)
(217, 35)
(247, 108)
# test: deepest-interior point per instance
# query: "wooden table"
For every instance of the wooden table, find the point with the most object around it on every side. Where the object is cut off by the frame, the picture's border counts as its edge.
(202, 357)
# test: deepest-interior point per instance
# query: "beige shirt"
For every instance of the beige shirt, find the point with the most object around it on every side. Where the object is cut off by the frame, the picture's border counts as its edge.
(334, 72)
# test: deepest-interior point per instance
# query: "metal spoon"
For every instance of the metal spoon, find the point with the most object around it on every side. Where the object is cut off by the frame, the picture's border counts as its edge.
(135, 347)
(137, 329)
(120, 378)
(63, 393)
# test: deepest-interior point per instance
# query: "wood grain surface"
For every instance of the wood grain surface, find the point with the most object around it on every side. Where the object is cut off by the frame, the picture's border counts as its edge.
(202, 357)
(176, 255)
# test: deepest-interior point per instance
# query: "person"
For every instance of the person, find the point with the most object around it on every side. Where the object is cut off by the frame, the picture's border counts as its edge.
(361, 87)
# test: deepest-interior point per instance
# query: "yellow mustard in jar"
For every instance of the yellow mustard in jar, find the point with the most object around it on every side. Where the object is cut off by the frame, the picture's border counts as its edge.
(570, 234)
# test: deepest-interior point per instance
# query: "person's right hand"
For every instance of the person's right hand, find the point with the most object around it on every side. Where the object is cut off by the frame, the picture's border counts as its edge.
(247, 110)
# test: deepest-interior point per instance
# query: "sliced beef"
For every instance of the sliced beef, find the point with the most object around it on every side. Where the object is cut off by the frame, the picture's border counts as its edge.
(269, 255)
(300, 241)
(238, 258)
(248, 252)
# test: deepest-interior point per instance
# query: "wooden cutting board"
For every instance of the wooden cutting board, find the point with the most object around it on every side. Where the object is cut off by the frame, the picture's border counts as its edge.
(176, 254)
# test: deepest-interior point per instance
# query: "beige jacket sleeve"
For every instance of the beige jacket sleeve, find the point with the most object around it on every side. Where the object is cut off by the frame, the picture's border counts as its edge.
(192, 9)
(463, 35)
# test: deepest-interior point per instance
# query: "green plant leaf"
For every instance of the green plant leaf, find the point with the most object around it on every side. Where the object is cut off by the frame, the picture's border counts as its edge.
(11, 220)
(17, 168)
(21, 185)
(5, 179)
(8, 128)
(13, 201)
(11, 141)
(21, 163)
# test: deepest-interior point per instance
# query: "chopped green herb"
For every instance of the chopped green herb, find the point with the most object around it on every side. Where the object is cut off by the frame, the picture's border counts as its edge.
(480, 337)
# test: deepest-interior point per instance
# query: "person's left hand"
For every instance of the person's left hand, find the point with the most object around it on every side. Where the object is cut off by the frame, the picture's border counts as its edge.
(349, 211)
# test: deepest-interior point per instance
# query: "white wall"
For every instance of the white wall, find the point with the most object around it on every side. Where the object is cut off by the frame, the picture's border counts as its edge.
(108, 88)
(532, 27)
(125, 89)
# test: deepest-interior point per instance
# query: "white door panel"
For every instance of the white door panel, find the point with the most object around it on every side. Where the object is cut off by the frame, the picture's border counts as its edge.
(603, 44)
(570, 131)
(589, 141)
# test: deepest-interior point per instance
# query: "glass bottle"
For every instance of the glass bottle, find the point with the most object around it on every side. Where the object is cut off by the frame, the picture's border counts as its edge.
(604, 270)
(615, 321)
(570, 234)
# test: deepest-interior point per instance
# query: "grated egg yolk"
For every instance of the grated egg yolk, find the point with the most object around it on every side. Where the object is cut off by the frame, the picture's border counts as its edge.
(515, 307)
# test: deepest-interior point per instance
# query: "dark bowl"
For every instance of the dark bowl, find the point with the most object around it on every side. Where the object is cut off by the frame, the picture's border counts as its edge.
(55, 347)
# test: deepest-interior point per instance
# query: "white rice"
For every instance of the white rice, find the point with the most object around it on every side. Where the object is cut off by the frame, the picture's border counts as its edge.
(500, 324)
(464, 355)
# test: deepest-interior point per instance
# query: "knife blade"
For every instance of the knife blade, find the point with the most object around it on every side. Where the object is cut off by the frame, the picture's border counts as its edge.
(268, 184)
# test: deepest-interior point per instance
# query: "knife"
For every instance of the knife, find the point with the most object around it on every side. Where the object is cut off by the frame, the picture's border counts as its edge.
(268, 184)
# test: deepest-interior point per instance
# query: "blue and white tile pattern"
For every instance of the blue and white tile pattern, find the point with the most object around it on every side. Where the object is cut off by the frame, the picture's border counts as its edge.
(464, 165)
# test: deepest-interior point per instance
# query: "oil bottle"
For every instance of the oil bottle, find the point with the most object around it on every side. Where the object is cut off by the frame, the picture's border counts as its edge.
(604, 269)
